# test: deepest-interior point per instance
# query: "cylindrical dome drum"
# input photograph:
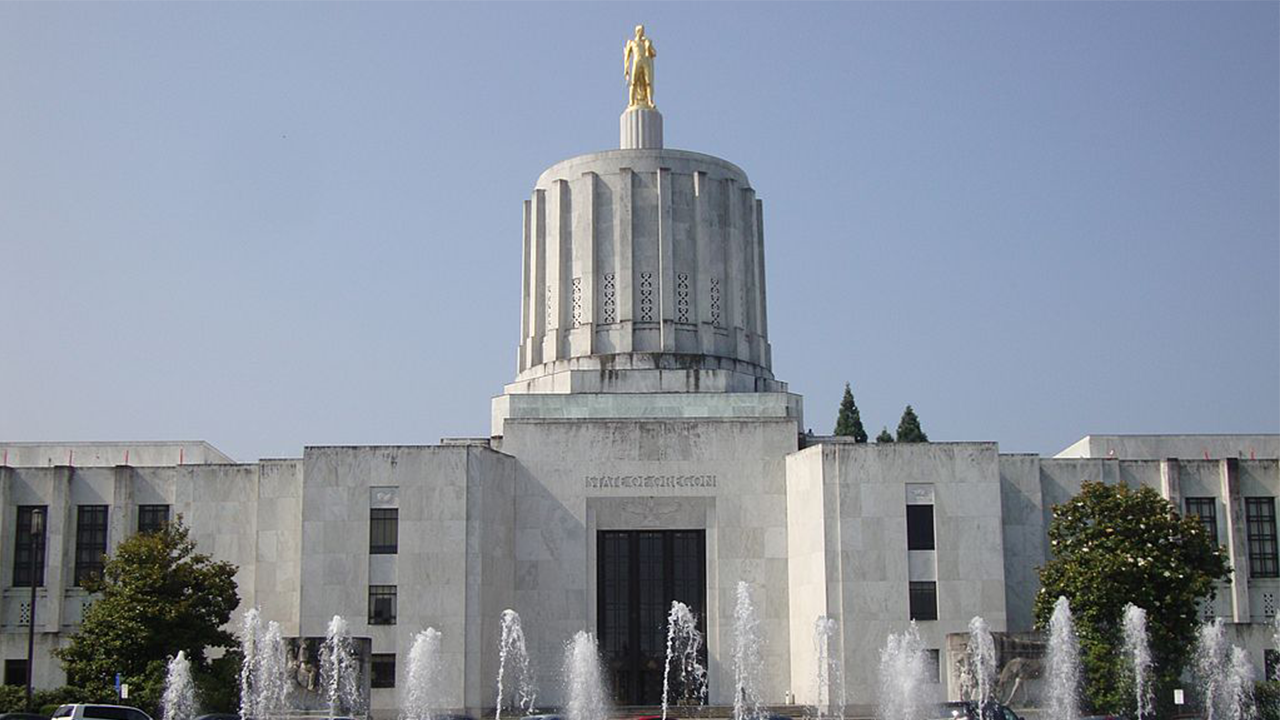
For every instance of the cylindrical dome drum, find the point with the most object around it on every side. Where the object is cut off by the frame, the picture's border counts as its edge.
(644, 272)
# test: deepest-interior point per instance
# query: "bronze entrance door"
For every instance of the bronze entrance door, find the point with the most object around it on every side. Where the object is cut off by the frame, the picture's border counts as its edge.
(639, 573)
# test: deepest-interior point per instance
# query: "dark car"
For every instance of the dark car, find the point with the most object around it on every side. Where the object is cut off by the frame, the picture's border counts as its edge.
(969, 710)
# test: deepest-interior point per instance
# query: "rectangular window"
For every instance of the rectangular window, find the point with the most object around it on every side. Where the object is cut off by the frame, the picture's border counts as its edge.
(382, 670)
(1205, 509)
(28, 548)
(152, 517)
(384, 531)
(932, 665)
(1260, 516)
(924, 601)
(91, 542)
(920, 527)
(15, 672)
(1270, 662)
(382, 604)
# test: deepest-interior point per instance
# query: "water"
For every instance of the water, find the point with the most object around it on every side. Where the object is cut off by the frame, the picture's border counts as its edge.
(902, 676)
(423, 695)
(829, 698)
(1275, 643)
(1138, 652)
(263, 673)
(1238, 686)
(512, 649)
(1063, 700)
(585, 686)
(250, 641)
(747, 663)
(272, 680)
(684, 651)
(1211, 666)
(179, 699)
(980, 666)
(339, 672)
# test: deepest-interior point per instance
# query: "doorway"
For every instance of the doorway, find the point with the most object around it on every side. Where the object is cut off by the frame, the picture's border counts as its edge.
(639, 573)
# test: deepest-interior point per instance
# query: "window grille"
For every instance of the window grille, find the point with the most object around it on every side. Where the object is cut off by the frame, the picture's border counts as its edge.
(384, 531)
(382, 667)
(28, 551)
(1260, 517)
(152, 517)
(382, 604)
(91, 542)
(923, 600)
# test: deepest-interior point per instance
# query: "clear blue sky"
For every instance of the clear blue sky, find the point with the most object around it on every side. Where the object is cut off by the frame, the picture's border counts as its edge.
(278, 225)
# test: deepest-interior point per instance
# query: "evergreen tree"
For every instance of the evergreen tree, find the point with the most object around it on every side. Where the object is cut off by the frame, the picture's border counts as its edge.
(849, 420)
(884, 436)
(909, 428)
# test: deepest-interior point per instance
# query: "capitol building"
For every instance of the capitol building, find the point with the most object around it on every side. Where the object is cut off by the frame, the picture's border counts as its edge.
(643, 452)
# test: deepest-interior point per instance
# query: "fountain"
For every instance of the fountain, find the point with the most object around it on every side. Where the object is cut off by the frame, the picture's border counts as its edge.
(1063, 701)
(684, 649)
(902, 675)
(1275, 644)
(423, 694)
(829, 696)
(1138, 652)
(1211, 667)
(512, 647)
(1238, 686)
(250, 637)
(980, 666)
(585, 686)
(179, 699)
(339, 673)
(747, 663)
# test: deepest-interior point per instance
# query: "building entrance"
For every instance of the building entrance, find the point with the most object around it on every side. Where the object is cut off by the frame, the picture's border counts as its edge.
(639, 573)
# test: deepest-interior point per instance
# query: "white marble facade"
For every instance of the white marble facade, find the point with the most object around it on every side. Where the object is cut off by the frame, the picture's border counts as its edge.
(644, 399)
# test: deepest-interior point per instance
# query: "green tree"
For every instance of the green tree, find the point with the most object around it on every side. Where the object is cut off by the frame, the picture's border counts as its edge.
(884, 436)
(157, 596)
(1112, 546)
(849, 420)
(909, 428)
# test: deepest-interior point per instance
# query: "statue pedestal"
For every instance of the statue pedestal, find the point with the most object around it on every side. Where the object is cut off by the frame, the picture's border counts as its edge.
(641, 129)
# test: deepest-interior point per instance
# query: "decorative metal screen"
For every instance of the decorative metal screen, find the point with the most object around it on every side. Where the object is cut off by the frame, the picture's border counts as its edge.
(682, 297)
(715, 301)
(609, 303)
(646, 297)
(577, 302)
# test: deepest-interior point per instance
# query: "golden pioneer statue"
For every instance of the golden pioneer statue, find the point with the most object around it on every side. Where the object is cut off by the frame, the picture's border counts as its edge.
(637, 68)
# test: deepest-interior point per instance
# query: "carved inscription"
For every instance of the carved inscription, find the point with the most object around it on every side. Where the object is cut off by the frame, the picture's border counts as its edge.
(593, 482)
